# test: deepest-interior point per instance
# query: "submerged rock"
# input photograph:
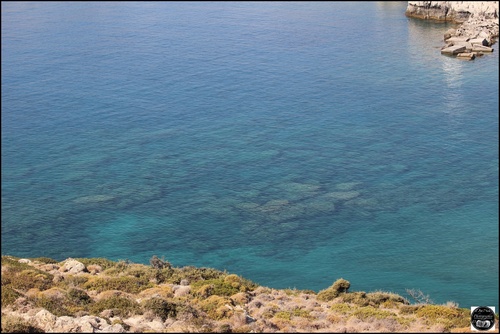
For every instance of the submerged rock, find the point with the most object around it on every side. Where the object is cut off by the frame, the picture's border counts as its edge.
(343, 195)
(347, 185)
(466, 56)
(93, 199)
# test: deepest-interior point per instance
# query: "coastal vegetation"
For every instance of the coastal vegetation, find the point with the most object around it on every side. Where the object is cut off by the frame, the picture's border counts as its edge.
(100, 295)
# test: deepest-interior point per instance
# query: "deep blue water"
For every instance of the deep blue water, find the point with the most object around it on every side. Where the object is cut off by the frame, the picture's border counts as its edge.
(292, 143)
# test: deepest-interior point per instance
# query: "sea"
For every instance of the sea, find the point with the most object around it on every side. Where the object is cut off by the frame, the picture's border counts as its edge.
(291, 143)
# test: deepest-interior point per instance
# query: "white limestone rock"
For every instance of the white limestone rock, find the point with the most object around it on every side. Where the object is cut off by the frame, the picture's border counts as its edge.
(72, 266)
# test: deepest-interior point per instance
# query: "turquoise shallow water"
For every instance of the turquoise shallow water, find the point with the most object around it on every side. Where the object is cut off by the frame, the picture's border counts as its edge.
(292, 143)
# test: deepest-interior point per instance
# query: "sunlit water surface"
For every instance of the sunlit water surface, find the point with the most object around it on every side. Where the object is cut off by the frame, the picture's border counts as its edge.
(292, 143)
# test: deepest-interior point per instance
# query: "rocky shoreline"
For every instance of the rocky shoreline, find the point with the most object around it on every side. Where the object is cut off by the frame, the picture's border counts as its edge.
(477, 33)
(96, 295)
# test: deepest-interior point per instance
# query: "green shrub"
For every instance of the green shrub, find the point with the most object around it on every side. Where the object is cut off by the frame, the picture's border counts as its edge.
(409, 309)
(121, 306)
(338, 287)
(450, 317)
(14, 264)
(223, 286)
(367, 312)
(46, 260)
(12, 324)
(187, 312)
(215, 307)
(214, 287)
(358, 298)
(342, 308)
(439, 311)
(125, 283)
(102, 262)
(296, 312)
(141, 272)
(9, 295)
(300, 312)
(158, 263)
(193, 274)
(160, 307)
(270, 310)
(28, 279)
(373, 299)
(78, 296)
(379, 297)
(72, 281)
(283, 315)
(55, 306)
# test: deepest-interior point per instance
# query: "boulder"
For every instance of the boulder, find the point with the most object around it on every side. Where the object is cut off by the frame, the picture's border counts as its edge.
(116, 328)
(72, 266)
(45, 319)
(480, 41)
(481, 48)
(181, 290)
(85, 324)
(67, 324)
(484, 34)
(466, 56)
(468, 46)
(453, 50)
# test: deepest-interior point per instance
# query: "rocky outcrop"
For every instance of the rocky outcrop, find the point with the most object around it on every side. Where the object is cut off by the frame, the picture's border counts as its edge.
(476, 35)
(455, 11)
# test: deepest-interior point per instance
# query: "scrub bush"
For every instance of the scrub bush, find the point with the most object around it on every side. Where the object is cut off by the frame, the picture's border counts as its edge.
(121, 306)
(338, 287)
(160, 307)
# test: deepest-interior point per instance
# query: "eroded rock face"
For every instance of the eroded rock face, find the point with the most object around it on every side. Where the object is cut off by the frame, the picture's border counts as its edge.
(456, 11)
